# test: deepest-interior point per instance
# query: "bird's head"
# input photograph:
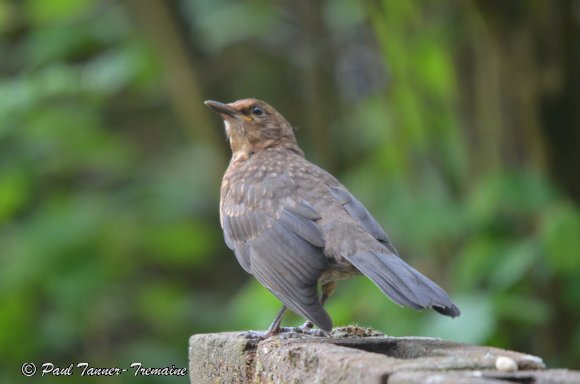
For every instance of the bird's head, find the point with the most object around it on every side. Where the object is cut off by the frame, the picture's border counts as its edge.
(253, 125)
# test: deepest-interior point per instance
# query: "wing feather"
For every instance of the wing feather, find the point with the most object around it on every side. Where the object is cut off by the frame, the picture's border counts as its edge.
(283, 250)
(402, 283)
(361, 214)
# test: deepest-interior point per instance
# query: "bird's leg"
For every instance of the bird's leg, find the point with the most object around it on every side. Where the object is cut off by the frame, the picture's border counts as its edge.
(272, 330)
(327, 290)
(275, 328)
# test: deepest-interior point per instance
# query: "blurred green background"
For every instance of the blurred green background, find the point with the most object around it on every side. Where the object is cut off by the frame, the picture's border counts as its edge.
(456, 123)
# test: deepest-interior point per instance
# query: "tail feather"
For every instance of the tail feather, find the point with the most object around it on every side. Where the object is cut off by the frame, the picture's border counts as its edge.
(402, 283)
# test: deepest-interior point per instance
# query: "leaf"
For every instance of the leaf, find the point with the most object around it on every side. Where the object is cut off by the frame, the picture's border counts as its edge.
(15, 190)
(560, 235)
(523, 309)
(44, 12)
(514, 264)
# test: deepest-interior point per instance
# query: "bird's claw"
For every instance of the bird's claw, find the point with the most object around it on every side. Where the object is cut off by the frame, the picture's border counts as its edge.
(308, 324)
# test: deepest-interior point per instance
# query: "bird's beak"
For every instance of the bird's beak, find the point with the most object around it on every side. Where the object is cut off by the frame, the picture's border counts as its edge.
(221, 108)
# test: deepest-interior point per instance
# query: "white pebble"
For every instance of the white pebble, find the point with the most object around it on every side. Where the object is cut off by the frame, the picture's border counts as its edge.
(505, 364)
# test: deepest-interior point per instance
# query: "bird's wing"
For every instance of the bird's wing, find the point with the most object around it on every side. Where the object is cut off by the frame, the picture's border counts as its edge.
(282, 248)
(361, 214)
(397, 279)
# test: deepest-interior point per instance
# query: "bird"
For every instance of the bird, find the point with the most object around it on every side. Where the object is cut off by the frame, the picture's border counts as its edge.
(295, 227)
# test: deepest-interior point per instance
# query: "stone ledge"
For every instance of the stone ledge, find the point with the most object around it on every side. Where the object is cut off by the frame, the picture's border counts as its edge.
(358, 355)
(550, 376)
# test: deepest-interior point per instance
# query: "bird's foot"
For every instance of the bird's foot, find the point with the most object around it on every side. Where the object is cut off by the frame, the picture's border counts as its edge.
(285, 332)
(257, 335)
(306, 329)
(308, 324)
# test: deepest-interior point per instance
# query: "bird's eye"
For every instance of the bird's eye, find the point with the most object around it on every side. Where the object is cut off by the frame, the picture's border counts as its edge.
(257, 111)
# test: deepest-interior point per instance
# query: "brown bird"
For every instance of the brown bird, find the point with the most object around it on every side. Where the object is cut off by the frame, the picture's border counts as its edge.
(293, 225)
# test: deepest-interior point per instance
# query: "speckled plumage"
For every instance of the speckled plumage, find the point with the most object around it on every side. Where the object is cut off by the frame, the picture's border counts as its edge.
(292, 225)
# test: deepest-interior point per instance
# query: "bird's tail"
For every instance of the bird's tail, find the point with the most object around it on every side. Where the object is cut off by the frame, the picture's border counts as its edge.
(402, 283)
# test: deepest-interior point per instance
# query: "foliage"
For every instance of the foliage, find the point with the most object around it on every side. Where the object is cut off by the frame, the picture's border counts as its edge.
(111, 250)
